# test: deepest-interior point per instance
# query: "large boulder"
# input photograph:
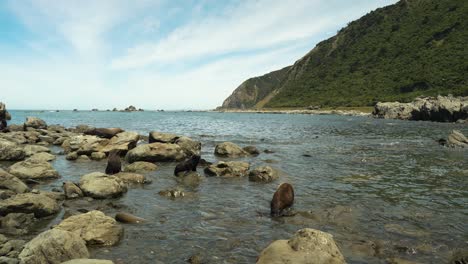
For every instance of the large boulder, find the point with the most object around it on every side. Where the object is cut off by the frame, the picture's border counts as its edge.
(230, 150)
(124, 142)
(189, 146)
(160, 137)
(103, 132)
(84, 145)
(39, 204)
(308, 246)
(457, 140)
(54, 246)
(156, 152)
(228, 169)
(11, 151)
(93, 227)
(30, 150)
(140, 166)
(34, 122)
(33, 169)
(99, 185)
(263, 174)
(10, 182)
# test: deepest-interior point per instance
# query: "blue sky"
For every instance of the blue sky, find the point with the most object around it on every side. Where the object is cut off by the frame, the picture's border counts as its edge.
(154, 54)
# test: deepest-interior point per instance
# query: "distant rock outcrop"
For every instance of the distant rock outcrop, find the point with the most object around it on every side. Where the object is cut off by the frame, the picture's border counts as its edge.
(440, 109)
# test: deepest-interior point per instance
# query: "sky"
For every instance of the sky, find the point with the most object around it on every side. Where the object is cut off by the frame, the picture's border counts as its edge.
(154, 54)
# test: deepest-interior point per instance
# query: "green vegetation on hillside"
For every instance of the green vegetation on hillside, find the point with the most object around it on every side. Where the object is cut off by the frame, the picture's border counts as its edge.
(395, 53)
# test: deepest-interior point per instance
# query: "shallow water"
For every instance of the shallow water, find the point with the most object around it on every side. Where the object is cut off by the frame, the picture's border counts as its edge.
(383, 188)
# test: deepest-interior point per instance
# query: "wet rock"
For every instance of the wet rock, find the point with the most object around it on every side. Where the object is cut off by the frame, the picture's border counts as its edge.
(34, 122)
(54, 246)
(17, 223)
(10, 182)
(130, 177)
(128, 218)
(124, 142)
(99, 185)
(39, 204)
(155, 136)
(268, 151)
(103, 132)
(71, 190)
(11, 151)
(398, 229)
(457, 140)
(93, 227)
(140, 166)
(252, 150)
(42, 157)
(156, 152)
(33, 149)
(229, 149)
(72, 156)
(88, 261)
(191, 179)
(98, 155)
(173, 193)
(31, 169)
(306, 246)
(263, 174)
(228, 169)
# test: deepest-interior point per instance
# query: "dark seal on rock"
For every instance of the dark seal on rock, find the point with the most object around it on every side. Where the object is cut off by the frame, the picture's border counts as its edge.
(187, 165)
(128, 218)
(103, 132)
(114, 165)
(282, 199)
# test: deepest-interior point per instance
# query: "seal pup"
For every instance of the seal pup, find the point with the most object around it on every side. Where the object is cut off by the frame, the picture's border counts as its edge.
(282, 199)
(114, 165)
(187, 165)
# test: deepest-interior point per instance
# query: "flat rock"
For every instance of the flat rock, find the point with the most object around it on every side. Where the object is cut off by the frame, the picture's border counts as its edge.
(39, 204)
(99, 185)
(228, 169)
(31, 169)
(42, 157)
(54, 246)
(130, 177)
(140, 166)
(93, 227)
(156, 152)
(33, 149)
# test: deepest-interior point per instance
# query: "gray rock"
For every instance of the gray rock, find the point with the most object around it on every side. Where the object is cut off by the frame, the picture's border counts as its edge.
(99, 185)
(263, 174)
(229, 149)
(10, 182)
(93, 227)
(156, 152)
(39, 204)
(11, 151)
(34, 122)
(228, 169)
(308, 246)
(140, 166)
(54, 246)
(31, 169)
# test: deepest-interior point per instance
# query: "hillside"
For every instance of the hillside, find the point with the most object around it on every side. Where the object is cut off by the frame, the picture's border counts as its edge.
(395, 53)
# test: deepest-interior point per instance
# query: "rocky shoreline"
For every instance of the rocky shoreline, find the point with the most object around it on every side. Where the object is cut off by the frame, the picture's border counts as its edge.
(296, 112)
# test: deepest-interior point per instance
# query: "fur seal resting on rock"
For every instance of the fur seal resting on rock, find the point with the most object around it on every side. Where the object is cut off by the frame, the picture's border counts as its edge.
(282, 199)
(114, 165)
(128, 218)
(187, 165)
(103, 132)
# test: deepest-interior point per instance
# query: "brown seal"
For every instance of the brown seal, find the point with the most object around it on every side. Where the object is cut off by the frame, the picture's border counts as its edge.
(188, 165)
(103, 132)
(128, 218)
(282, 199)
(114, 165)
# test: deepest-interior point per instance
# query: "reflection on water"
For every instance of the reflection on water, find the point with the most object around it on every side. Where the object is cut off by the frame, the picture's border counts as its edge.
(383, 188)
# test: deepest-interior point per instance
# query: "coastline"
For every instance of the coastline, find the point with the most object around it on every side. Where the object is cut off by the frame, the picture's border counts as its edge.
(342, 112)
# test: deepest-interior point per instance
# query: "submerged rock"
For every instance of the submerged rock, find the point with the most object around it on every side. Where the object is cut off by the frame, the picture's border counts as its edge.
(39, 204)
(93, 227)
(140, 166)
(228, 169)
(156, 152)
(10, 182)
(229, 149)
(11, 151)
(306, 246)
(99, 185)
(54, 246)
(173, 193)
(263, 174)
(33, 169)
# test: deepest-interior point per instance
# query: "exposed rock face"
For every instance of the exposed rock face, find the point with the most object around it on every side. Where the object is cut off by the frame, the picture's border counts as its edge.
(228, 169)
(441, 109)
(33, 169)
(189, 146)
(99, 185)
(11, 151)
(229, 149)
(129, 177)
(34, 122)
(93, 227)
(10, 182)
(263, 174)
(156, 152)
(140, 166)
(457, 140)
(308, 246)
(124, 142)
(54, 246)
(103, 132)
(39, 204)
(41, 157)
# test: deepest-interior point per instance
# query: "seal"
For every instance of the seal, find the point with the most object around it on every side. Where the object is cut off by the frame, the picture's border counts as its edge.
(103, 132)
(128, 218)
(282, 199)
(114, 165)
(187, 165)
(71, 190)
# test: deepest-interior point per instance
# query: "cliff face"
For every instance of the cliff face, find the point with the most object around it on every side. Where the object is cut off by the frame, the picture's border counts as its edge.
(396, 53)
